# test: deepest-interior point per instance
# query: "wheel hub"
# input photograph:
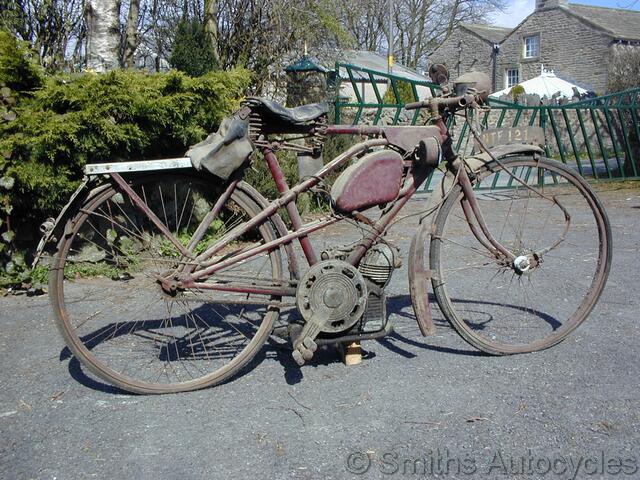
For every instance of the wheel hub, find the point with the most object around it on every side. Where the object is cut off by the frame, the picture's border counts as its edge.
(169, 286)
(521, 263)
(526, 263)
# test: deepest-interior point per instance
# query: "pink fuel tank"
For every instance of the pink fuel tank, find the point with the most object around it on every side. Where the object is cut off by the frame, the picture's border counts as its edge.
(374, 179)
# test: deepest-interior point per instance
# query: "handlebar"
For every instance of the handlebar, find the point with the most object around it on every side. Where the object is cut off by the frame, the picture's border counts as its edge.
(439, 103)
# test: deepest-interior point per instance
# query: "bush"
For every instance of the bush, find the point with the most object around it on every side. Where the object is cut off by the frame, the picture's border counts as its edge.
(404, 90)
(192, 52)
(63, 122)
(19, 70)
(121, 115)
(515, 92)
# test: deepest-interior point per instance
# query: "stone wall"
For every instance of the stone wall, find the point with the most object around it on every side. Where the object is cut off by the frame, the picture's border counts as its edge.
(570, 47)
(464, 52)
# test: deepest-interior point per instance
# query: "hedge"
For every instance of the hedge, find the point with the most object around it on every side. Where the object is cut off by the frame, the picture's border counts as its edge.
(53, 125)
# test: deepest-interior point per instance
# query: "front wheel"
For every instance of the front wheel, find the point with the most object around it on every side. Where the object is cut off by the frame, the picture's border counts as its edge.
(113, 312)
(551, 220)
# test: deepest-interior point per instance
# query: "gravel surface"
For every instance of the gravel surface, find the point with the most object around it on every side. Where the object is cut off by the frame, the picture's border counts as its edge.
(415, 407)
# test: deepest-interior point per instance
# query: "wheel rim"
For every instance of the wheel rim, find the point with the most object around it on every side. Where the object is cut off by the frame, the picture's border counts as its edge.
(502, 309)
(117, 319)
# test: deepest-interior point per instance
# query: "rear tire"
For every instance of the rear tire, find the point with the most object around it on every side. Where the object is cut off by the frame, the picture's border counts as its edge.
(114, 316)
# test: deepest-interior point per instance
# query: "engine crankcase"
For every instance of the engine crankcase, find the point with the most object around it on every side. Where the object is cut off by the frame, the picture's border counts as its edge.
(332, 294)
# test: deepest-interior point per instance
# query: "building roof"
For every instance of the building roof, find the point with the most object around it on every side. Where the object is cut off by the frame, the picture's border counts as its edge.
(621, 24)
(306, 64)
(375, 63)
(490, 33)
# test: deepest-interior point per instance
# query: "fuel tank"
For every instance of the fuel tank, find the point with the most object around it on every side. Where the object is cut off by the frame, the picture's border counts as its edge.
(376, 178)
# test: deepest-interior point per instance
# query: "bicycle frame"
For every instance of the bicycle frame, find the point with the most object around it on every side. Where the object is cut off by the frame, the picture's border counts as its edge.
(195, 273)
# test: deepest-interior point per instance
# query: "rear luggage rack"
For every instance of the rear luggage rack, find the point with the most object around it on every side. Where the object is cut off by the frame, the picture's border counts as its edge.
(139, 166)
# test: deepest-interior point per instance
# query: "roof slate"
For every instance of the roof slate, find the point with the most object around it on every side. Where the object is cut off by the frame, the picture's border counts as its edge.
(377, 63)
(621, 24)
(490, 33)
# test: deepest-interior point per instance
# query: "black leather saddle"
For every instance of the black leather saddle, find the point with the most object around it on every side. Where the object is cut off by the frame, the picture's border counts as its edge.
(278, 119)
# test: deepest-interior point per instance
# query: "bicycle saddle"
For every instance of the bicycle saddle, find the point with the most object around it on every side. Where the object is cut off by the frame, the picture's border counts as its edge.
(273, 113)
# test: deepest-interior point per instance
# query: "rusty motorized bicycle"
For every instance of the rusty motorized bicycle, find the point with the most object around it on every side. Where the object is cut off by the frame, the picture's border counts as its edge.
(167, 278)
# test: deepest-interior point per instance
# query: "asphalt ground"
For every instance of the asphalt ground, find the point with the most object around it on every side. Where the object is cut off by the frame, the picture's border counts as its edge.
(416, 407)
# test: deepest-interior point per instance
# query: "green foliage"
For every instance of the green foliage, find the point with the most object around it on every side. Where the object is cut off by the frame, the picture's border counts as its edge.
(329, 22)
(18, 68)
(57, 124)
(91, 118)
(192, 51)
(259, 175)
(404, 90)
(515, 91)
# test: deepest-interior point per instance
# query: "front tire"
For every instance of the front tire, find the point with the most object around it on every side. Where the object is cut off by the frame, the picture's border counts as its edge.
(500, 309)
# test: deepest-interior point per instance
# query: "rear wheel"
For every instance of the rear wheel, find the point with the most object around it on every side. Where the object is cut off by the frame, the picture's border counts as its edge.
(560, 234)
(115, 316)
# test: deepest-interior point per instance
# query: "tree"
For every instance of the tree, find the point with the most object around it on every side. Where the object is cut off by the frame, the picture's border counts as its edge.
(421, 25)
(192, 51)
(261, 35)
(53, 28)
(624, 68)
(101, 18)
(211, 27)
(131, 37)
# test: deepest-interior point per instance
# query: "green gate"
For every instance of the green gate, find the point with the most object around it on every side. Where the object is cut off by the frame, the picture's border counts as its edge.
(598, 137)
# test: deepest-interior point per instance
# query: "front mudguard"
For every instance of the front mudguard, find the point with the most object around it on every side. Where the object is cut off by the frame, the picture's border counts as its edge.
(420, 275)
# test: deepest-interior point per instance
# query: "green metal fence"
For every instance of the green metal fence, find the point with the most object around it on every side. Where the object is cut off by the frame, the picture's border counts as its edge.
(598, 137)
(367, 103)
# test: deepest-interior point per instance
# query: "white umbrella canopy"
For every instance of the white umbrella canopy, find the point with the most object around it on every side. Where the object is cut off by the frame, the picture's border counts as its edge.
(546, 85)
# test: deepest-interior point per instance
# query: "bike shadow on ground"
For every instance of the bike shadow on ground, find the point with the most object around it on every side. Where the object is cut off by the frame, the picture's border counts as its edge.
(399, 341)
(404, 340)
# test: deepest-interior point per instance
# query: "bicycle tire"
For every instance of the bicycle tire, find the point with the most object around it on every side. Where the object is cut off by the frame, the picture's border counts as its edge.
(485, 299)
(86, 348)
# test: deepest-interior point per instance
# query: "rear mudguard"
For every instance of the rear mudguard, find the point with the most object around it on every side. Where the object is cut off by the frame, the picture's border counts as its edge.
(54, 230)
(419, 275)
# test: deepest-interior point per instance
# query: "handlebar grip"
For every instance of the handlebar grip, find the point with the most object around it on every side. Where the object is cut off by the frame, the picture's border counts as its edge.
(415, 105)
(461, 101)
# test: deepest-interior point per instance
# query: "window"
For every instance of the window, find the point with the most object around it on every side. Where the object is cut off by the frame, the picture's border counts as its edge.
(512, 77)
(532, 47)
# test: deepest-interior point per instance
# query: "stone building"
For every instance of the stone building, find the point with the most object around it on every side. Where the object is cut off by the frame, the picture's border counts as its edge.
(575, 41)
(471, 48)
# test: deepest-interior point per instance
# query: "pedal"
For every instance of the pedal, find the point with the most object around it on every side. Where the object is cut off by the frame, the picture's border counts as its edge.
(304, 346)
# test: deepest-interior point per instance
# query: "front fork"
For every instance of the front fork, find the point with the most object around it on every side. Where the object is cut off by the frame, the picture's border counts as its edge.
(420, 277)
(472, 212)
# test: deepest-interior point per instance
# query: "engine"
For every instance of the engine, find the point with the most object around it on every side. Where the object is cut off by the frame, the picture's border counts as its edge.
(379, 262)
(376, 266)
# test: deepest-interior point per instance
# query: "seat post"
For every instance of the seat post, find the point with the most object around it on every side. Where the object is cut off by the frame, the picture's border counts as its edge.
(292, 208)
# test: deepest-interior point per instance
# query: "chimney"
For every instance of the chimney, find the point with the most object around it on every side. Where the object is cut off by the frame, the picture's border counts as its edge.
(546, 4)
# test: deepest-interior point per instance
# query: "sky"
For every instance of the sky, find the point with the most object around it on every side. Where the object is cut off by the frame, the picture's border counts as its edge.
(517, 10)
